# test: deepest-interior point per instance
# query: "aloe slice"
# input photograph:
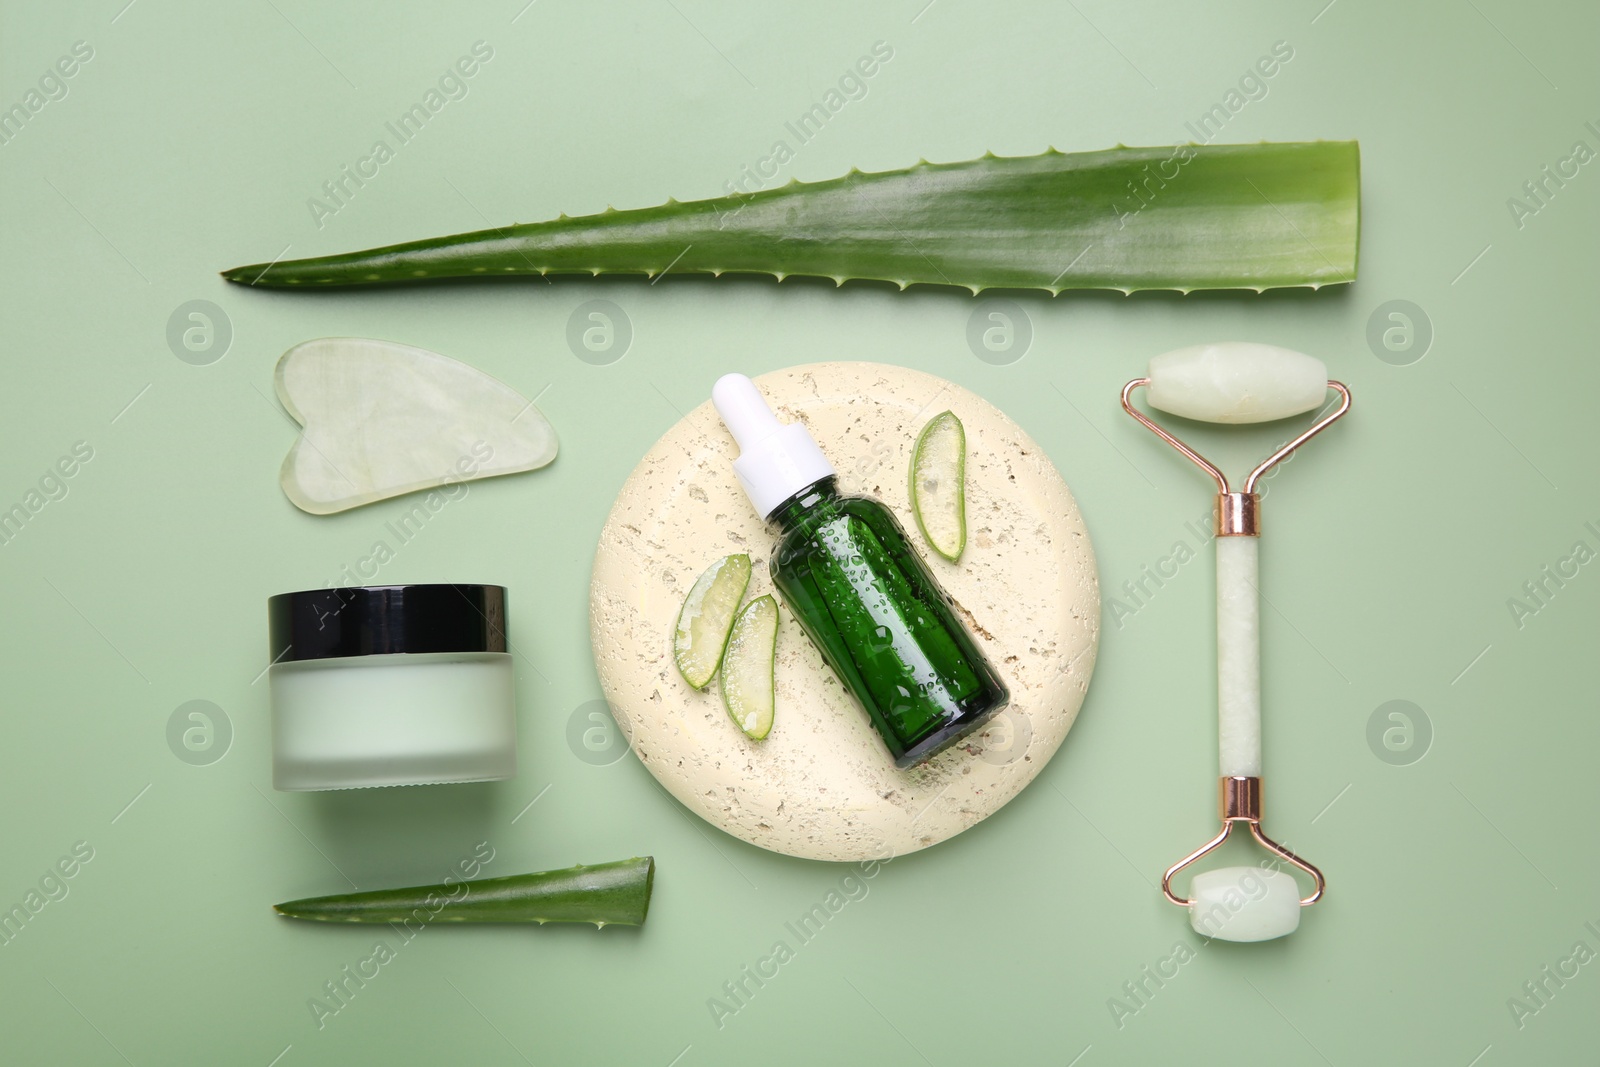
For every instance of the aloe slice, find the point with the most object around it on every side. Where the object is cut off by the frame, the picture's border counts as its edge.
(938, 490)
(1251, 216)
(707, 617)
(747, 685)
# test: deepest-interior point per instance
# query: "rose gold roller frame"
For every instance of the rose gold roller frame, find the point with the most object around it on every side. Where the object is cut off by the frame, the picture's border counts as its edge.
(1239, 515)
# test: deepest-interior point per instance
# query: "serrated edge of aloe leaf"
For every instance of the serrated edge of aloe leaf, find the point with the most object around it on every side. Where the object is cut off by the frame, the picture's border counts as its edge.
(961, 485)
(733, 618)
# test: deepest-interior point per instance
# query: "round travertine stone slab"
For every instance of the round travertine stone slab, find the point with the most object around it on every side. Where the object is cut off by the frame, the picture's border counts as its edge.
(822, 785)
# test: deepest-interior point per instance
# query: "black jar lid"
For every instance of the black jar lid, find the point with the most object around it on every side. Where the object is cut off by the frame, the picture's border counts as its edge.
(377, 620)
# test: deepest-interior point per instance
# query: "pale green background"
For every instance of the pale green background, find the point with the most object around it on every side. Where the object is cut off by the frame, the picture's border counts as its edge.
(193, 139)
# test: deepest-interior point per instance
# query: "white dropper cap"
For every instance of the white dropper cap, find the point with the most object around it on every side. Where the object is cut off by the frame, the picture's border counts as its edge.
(776, 460)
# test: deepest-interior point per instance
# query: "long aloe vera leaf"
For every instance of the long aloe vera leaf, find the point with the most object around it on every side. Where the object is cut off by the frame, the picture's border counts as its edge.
(1191, 217)
(604, 894)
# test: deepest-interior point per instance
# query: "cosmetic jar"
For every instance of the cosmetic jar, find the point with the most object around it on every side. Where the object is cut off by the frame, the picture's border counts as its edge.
(390, 685)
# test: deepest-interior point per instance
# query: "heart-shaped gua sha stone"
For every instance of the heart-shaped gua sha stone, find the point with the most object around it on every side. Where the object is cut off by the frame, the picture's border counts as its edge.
(382, 419)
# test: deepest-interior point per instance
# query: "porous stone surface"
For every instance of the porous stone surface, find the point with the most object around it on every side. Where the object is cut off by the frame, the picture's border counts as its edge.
(822, 785)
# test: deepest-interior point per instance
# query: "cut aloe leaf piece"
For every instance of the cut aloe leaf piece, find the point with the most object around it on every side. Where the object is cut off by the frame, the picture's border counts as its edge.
(707, 617)
(747, 685)
(938, 484)
(606, 894)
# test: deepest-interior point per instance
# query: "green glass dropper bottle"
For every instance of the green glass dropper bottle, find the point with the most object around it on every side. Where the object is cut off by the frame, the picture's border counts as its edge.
(858, 589)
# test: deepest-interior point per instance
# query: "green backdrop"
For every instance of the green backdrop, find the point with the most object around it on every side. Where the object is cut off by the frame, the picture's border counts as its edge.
(1456, 828)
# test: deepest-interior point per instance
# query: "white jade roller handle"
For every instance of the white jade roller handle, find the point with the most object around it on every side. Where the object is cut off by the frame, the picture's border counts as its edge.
(1238, 657)
(1237, 382)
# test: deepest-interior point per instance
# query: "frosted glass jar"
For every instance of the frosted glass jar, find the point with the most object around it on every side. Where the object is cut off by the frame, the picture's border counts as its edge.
(391, 685)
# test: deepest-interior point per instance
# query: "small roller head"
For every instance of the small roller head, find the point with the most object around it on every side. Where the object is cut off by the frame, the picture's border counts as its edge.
(1244, 904)
(1237, 382)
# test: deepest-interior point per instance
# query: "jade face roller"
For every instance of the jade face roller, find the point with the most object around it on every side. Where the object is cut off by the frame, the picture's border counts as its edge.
(1239, 383)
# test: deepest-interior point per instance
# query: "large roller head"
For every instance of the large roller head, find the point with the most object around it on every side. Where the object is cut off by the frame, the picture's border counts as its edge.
(1244, 904)
(1237, 382)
